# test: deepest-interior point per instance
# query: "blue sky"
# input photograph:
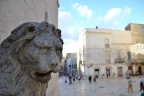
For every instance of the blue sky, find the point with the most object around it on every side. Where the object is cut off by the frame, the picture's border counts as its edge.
(74, 15)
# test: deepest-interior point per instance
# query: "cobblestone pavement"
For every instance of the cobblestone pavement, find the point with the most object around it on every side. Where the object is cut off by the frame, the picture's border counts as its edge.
(103, 87)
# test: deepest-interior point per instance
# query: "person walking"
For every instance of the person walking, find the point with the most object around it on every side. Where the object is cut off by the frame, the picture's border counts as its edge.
(90, 78)
(94, 79)
(130, 88)
(79, 78)
(73, 79)
(70, 79)
(141, 83)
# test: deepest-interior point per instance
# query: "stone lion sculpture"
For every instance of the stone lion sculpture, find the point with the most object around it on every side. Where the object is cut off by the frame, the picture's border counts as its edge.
(27, 59)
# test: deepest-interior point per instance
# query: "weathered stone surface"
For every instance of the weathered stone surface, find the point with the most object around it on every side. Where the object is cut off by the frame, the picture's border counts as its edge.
(27, 59)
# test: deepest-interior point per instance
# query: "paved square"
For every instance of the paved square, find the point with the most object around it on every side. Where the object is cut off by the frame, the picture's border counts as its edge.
(103, 87)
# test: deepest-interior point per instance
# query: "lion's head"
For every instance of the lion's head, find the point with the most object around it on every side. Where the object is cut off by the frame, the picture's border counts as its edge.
(29, 55)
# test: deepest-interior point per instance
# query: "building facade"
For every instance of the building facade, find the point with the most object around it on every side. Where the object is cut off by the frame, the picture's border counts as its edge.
(71, 64)
(137, 60)
(15, 12)
(106, 52)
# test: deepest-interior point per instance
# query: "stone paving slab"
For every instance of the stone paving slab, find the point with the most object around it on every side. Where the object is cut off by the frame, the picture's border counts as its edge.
(103, 87)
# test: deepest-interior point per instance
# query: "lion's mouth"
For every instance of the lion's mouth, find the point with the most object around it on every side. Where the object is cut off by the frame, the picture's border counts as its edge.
(41, 77)
(43, 74)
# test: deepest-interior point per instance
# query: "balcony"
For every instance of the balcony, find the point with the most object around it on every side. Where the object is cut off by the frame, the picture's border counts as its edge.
(107, 46)
(119, 60)
(137, 61)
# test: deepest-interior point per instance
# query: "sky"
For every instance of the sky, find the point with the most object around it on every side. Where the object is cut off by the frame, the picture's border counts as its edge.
(75, 15)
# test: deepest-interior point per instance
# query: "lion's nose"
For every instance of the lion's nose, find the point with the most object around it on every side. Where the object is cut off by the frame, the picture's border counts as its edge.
(54, 65)
(43, 68)
(53, 60)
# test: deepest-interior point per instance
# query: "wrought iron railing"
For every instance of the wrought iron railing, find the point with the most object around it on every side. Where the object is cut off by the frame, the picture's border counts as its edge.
(119, 60)
(107, 45)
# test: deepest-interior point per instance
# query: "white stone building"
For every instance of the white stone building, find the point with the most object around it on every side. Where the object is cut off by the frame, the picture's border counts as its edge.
(104, 52)
(16, 12)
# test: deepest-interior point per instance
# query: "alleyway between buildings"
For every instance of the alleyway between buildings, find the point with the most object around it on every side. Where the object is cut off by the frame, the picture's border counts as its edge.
(103, 87)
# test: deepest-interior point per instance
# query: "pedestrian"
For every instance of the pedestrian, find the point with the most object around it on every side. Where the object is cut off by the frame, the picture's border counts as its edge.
(90, 78)
(142, 94)
(107, 75)
(65, 79)
(113, 74)
(73, 79)
(79, 78)
(70, 79)
(94, 79)
(130, 84)
(141, 84)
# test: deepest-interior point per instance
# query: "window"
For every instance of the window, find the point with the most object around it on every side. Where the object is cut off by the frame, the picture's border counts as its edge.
(108, 57)
(107, 43)
(118, 54)
(136, 29)
(129, 55)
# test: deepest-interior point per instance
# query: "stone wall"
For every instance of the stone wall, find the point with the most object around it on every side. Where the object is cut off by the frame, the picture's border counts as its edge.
(16, 12)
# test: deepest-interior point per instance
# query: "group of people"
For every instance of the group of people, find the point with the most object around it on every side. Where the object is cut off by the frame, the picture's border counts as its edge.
(72, 78)
(94, 78)
(130, 87)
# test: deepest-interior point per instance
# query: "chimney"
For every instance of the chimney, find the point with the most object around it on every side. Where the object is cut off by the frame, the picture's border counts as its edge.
(96, 27)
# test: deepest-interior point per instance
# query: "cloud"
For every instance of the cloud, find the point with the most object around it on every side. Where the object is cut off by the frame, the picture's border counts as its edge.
(70, 46)
(66, 24)
(117, 13)
(112, 13)
(71, 43)
(65, 21)
(113, 17)
(64, 15)
(70, 32)
(127, 11)
(83, 10)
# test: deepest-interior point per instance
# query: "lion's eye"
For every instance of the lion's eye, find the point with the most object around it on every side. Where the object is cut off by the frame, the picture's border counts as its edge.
(44, 50)
(58, 51)
(31, 29)
(53, 28)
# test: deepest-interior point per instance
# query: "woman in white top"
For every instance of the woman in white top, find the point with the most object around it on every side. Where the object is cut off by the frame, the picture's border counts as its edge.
(130, 84)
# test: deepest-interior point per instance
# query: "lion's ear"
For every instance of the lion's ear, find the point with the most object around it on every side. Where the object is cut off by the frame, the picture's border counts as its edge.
(54, 30)
(31, 28)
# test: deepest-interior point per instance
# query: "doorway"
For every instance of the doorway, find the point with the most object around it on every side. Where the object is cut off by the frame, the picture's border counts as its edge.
(130, 70)
(97, 72)
(119, 71)
(108, 72)
(140, 70)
